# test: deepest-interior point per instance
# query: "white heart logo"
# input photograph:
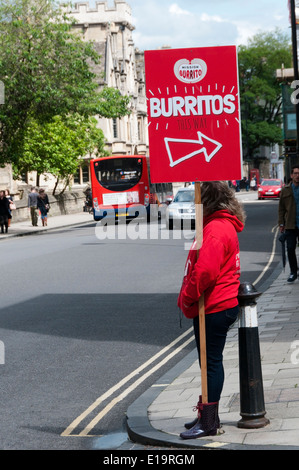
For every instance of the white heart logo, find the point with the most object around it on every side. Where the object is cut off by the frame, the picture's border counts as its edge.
(190, 71)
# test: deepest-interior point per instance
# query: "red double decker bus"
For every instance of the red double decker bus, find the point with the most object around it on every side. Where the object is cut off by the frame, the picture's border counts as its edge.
(121, 187)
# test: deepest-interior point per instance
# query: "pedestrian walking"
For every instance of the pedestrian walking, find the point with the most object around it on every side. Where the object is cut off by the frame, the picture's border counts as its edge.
(288, 219)
(32, 204)
(213, 272)
(11, 205)
(4, 212)
(253, 184)
(44, 206)
(246, 183)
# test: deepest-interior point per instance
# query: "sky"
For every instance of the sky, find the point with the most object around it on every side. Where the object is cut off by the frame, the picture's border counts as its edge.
(203, 23)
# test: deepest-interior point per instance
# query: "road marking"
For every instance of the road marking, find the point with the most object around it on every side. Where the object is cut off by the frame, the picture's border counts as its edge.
(270, 259)
(68, 431)
(216, 444)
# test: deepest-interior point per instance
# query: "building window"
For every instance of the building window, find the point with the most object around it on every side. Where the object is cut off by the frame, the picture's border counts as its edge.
(114, 128)
(77, 176)
(24, 177)
(85, 173)
(82, 174)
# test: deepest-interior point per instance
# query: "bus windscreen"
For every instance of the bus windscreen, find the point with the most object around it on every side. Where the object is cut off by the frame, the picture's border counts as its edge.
(118, 174)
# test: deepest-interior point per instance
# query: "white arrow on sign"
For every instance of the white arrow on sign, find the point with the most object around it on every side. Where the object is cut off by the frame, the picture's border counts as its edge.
(202, 149)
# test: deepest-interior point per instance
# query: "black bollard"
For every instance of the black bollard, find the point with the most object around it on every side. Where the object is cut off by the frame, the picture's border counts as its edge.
(252, 405)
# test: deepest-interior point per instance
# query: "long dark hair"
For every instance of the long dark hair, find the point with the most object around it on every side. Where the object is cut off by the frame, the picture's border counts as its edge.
(216, 196)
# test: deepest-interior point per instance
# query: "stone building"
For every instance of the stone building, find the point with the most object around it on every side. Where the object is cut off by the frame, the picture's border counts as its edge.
(122, 67)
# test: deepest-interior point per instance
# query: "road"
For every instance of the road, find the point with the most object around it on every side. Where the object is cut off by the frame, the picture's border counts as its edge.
(89, 322)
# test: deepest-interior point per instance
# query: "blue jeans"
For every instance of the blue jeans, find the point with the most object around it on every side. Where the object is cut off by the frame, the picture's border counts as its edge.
(217, 325)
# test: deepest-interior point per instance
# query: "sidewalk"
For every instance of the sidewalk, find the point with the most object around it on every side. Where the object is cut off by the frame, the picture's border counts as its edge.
(158, 416)
(18, 229)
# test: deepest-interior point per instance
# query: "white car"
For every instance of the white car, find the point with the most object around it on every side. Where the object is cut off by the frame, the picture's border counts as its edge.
(181, 211)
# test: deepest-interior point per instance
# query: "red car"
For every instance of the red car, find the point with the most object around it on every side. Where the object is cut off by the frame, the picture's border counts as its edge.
(269, 189)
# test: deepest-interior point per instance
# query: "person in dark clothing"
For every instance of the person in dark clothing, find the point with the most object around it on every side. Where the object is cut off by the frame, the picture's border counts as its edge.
(44, 206)
(4, 212)
(11, 203)
(32, 205)
(288, 219)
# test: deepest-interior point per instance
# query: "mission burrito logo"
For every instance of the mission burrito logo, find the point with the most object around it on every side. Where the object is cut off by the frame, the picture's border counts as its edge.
(190, 71)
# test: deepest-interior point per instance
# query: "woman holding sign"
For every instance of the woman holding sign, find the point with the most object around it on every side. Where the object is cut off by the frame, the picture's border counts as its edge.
(213, 273)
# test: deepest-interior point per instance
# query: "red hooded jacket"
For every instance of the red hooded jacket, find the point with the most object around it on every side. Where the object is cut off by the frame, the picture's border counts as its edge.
(216, 270)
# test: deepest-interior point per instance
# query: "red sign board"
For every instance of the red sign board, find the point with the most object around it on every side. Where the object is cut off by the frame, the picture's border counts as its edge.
(193, 114)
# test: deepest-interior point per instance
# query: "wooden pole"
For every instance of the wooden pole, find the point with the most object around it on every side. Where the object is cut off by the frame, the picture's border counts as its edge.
(201, 307)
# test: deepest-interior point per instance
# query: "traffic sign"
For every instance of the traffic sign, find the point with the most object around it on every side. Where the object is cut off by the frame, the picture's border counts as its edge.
(193, 114)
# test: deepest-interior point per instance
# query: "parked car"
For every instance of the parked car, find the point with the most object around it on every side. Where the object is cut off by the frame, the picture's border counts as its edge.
(182, 209)
(269, 188)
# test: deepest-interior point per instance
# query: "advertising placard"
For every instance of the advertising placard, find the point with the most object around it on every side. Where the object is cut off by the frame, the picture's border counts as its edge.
(193, 114)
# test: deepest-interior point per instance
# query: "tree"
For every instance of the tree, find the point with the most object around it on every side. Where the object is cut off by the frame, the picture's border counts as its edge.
(55, 147)
(260, 92)
(47, 71)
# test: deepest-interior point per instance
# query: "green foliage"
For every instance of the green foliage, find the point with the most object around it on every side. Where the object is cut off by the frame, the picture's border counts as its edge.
(47, 72)
(56, 146)
(260, 91)
(111, 104)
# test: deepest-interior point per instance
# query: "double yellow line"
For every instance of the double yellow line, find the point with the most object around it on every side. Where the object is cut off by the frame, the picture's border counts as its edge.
(69, 431)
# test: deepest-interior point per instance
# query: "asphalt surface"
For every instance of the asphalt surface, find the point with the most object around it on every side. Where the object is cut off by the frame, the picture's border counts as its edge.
(157, 417)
